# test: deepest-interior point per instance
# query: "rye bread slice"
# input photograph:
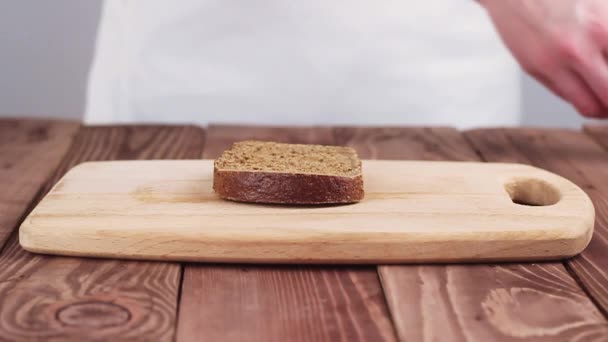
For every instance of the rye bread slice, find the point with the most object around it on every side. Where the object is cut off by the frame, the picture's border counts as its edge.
(269, 172)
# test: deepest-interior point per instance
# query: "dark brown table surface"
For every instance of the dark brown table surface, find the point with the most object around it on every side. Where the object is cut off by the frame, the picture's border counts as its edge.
(61, 298)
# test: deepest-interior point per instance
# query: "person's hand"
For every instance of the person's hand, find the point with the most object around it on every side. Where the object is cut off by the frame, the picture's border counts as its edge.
(562, 43)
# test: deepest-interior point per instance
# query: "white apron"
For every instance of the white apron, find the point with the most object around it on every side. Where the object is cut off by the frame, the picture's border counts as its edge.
(405, 62)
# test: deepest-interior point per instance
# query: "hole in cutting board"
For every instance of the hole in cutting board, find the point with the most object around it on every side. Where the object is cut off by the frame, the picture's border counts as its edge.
(532, 192)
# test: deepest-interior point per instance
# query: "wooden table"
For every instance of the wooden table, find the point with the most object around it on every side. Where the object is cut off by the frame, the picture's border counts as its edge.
(47, 297)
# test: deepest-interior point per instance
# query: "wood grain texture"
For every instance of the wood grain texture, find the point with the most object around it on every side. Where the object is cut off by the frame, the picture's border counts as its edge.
(531, 302)
(59, 298)
(599, 133)
(30, 150)
(413, 211)
(274, 303)
(575, 156)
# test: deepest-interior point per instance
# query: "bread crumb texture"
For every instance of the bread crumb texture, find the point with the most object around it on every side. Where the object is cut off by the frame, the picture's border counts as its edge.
(290, 158)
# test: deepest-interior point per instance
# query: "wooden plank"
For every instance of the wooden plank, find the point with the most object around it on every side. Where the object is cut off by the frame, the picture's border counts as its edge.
(57, 298)
(539, 302)
(275, 303)
(30, 150)
(575, 156)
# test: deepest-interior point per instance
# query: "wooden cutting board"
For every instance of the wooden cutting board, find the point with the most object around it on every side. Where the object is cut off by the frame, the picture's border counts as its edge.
(413, 211)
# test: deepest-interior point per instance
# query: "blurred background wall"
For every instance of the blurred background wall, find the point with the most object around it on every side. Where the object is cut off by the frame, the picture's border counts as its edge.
(46, 49)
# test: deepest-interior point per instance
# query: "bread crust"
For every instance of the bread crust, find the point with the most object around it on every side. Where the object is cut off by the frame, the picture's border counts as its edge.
(286, 188)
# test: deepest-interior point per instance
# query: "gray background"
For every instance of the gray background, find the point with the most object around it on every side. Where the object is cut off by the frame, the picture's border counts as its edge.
(46, 49)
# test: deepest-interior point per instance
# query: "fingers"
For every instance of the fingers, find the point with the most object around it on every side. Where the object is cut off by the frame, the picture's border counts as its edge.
(598, 30)
(595, 71)
(581, 95)
(572, 88)
(595, 75)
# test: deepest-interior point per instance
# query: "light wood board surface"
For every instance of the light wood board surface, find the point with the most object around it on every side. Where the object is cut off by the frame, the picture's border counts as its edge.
(414, 211)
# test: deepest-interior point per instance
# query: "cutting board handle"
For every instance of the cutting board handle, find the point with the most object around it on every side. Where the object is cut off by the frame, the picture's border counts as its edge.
(532, 191)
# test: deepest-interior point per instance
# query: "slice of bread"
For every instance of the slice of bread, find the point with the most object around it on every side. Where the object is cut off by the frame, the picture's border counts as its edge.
(269, 172)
